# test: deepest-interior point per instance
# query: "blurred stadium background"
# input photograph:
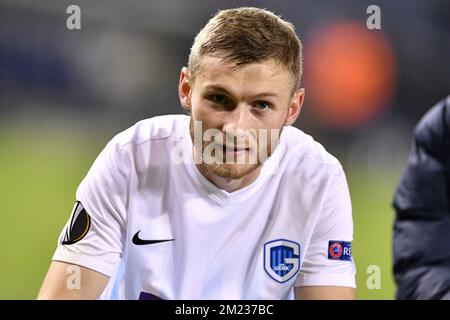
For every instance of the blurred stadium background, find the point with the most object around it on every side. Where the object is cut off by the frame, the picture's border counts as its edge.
(64, 94)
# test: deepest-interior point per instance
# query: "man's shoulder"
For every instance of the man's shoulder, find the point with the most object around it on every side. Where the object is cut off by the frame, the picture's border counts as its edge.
(433, 130)
(307, 151)
(167, 127)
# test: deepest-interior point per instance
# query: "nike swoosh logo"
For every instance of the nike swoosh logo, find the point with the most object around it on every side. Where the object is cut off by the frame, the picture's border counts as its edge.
(139, 242)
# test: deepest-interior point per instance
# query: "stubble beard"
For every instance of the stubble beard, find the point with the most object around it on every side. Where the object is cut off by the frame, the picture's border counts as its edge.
(231, 170)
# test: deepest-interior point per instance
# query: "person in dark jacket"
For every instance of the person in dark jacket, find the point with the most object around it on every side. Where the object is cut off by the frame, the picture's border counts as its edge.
(422, 204)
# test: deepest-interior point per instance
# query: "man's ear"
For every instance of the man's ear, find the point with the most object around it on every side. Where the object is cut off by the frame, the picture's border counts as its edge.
(295, 106)
(185, 89)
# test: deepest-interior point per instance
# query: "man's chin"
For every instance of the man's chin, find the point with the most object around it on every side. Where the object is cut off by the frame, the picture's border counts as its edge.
(230, 171)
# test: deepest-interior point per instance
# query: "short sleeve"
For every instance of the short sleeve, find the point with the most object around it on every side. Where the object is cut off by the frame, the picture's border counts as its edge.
(334, 229)
(94, 235)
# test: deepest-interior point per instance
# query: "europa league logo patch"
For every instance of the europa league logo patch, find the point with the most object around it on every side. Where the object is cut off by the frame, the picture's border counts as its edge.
(79, 225)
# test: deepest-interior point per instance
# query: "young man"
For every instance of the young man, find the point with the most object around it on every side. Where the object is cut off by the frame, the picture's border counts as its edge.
(231, 202)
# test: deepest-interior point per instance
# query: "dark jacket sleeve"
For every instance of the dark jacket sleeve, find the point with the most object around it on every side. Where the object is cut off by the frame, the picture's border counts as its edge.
(422, 204)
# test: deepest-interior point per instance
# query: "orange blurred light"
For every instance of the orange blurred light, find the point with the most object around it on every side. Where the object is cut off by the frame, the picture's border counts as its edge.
(349, 74)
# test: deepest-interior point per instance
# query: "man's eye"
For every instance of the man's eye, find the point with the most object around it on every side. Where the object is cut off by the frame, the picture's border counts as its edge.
(262, 105)
(218, 98)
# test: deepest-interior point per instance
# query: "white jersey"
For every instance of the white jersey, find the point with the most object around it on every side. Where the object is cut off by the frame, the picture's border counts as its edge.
(146, 217)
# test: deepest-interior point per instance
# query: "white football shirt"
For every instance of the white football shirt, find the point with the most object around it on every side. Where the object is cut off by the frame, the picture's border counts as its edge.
(291, 227)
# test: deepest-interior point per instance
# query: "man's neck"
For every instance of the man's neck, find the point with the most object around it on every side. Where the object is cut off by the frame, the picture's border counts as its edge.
(227, 184)
(231, 185)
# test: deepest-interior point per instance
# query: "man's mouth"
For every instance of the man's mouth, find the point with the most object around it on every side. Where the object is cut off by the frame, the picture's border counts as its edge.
(233, 149)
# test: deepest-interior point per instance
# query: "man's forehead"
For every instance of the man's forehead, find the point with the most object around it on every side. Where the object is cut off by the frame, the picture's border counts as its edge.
(266, 74)
(254, 93)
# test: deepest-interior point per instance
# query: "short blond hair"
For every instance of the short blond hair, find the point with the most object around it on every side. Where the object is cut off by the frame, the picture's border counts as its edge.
(247, 35)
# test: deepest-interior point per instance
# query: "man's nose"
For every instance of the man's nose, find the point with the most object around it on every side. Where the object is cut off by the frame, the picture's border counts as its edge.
(237, 120)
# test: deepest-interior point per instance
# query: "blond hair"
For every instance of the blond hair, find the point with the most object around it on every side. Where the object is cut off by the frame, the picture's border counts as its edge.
(248, 35)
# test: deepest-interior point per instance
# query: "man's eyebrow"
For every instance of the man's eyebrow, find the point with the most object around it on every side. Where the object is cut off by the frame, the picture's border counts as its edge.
(257, 96)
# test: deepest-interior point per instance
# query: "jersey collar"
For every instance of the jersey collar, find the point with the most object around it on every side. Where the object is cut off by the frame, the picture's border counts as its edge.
(222, 197)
